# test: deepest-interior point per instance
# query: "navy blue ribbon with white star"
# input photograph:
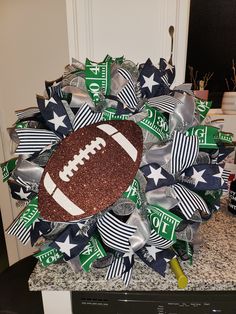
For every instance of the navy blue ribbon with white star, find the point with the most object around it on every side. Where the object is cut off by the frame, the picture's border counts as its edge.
(55, 115)
(156, 82)
(73, 239)
(205, 177)
(20, 192)
(39, 228)
(155, 258)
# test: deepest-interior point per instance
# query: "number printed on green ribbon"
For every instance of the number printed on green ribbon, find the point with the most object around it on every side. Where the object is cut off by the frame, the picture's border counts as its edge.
(207, 135)
(97, 78)
(92, 251)
(133, 193)
(156, 123)
(203, 107)
(7, 168)
(31, 213)
(48, 256)
(163, 221)
(110, 114)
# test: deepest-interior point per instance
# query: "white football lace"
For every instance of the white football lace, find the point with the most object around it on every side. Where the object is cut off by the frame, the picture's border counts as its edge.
(71, 167)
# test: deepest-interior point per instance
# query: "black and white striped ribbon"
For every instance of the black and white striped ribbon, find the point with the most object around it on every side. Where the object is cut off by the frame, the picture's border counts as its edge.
(127, 95)
(117, 270)
(165, 79)
(22, 183)
(18, 229)
(115, 233)
(164, 103)
(184, 152)
(189, 201)
(34, 140)
(54, 88)
(27, 113)
(85, 116)
(159, 242)
(225, 177)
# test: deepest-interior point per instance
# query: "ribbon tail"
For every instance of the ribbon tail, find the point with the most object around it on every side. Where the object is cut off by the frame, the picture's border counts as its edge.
(189, 201)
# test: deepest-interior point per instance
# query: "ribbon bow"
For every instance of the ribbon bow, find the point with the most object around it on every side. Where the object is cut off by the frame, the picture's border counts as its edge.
(155, 82)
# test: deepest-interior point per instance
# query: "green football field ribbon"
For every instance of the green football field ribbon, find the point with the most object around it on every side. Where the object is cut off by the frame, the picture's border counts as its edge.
(22, 125)
(211, 196)
(225, 137)
(133, 193)
(203, 107)
(117, 60)
(97, 78)
(90, 253)
(7, 168)
(31, 213)
(185, 248)
(156, 123)
(110, 114)
(163, 221)
(209, 136)
(48, 256)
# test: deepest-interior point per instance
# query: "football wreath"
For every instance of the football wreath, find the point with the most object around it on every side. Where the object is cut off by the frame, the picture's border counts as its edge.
(115, 165)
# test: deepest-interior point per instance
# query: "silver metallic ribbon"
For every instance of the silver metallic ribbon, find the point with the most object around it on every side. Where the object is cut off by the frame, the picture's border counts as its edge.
(142, 234)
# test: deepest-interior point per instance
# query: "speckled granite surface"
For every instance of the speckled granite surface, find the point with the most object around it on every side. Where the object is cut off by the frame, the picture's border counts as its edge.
(214, 267)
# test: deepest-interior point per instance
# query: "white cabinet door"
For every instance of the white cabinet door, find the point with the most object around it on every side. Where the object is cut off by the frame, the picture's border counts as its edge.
(133, 28)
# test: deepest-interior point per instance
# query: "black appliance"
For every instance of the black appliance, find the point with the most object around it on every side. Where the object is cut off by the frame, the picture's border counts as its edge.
(154, 302)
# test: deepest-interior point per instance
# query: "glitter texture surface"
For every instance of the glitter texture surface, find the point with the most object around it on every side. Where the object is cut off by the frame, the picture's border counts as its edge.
(105, 174)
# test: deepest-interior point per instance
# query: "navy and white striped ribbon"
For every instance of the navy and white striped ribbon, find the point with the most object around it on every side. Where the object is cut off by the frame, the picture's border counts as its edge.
(225, 177)
(54, 87)
(34, 140)
(27, 113)
(158, 241)
(85, 116)
(165, 103)
(117, 270)
(127, 94)
(189, 201)
(22, 183)
(165, 79)
(184, 152)
(115, 233)
(18, 229)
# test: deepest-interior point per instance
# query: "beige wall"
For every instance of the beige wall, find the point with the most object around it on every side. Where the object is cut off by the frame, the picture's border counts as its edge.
(33, 48)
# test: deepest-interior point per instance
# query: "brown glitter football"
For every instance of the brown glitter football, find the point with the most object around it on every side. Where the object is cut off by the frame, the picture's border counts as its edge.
(90, 170)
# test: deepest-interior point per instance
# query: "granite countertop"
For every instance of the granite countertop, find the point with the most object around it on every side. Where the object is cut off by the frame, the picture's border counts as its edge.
(214, 267)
